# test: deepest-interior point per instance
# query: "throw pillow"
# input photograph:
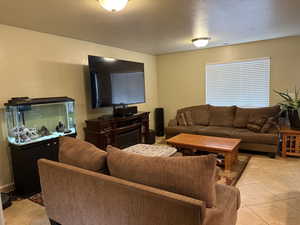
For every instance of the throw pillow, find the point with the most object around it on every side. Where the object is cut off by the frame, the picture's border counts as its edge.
(191, 176)
(182, 120)
(82, 154)
(255, 124)
(243, 114)
(189, 119)
(270, 125)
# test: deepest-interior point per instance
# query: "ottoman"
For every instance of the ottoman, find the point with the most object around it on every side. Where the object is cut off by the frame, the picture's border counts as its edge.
(151, 150)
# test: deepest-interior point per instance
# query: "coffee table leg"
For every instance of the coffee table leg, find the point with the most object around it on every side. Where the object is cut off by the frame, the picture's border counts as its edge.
(228, 161)
(236, 153)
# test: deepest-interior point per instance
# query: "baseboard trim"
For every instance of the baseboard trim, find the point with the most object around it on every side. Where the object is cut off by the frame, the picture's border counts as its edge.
(7, 187)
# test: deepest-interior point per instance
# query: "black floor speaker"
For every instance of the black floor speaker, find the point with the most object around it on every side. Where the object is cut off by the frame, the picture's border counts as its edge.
(159, 122)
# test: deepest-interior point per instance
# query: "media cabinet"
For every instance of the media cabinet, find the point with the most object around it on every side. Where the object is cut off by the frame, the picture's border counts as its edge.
(120, 132)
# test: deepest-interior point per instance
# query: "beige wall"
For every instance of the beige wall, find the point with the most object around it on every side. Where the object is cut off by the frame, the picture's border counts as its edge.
(181, 76)
(41, 65)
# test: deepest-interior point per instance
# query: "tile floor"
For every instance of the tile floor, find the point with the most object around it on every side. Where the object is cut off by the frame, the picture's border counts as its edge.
(270, 190)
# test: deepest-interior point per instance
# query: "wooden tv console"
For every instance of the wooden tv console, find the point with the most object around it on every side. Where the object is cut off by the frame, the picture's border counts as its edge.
(121, 132)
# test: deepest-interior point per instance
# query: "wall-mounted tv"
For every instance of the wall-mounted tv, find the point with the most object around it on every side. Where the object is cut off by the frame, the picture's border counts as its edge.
(115, 82)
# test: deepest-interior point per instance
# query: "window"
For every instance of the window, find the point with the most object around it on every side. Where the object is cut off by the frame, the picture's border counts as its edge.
(242, 83)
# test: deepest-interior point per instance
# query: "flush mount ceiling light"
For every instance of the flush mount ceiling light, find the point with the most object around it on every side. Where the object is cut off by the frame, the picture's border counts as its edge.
(107, 59)
(200, 42)
(113, 5)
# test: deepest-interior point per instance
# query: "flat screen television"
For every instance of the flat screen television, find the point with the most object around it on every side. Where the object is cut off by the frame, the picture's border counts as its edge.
(115, 82)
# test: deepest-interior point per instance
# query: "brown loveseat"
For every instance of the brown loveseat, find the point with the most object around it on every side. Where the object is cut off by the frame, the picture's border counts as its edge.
(257, 127)
(76, 193)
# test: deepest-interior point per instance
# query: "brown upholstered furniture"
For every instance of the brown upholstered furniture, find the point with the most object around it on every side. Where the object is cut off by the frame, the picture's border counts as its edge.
(257, 127)
(135, 194)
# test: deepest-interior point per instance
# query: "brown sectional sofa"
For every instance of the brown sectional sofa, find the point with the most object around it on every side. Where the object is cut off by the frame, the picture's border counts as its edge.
(232, 122)
(133, 194)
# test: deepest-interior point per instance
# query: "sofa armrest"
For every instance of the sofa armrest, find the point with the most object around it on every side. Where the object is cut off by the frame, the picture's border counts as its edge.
(172, 123)
(226, 210)
(232, 193)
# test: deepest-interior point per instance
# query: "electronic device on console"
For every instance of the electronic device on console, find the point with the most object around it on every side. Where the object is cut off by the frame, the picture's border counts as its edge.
(124, 110)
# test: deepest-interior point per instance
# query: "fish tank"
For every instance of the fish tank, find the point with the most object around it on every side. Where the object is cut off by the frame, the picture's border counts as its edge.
(31, 120)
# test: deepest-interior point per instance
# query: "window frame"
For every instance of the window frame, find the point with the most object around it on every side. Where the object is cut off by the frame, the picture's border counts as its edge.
(240, 61)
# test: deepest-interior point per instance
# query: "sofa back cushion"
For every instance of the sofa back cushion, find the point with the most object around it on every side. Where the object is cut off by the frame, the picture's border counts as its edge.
(190, 176)
(189, 118)
(82, 154)
(243, 115)
(222, 116)
(195, 115)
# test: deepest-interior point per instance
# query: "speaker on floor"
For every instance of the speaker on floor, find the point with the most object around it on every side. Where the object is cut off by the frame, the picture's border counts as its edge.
(159, 122)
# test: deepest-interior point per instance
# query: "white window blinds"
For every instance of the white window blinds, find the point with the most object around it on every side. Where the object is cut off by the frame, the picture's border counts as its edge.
(243, 83)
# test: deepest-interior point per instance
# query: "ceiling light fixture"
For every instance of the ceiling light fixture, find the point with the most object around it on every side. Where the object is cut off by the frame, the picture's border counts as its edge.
(113, 5)
(200, 42)
(107, 59)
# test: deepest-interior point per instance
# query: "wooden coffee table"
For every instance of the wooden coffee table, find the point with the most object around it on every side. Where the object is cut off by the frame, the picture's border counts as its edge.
(193, 142)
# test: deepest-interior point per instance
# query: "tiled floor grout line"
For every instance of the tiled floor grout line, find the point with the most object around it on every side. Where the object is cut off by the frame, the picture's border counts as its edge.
(258, 216)
(293, 206)
(277, 195)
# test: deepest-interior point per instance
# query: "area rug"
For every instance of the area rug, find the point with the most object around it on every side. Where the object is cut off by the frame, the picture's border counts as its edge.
(232, 177)
(229, 178)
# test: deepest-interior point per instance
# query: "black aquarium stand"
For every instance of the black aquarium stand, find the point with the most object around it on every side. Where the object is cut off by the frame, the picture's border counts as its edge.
(24, 163)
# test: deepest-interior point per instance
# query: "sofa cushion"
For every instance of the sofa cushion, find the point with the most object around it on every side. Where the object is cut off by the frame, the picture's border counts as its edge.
(242, 115)
(171, 131)
(248, 136)
(82, 154)
(216, 131)
(190, 176)
(189, 118)
(199, 114)
(222, 116)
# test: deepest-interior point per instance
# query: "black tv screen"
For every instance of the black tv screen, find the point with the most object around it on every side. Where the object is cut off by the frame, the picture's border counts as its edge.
(116, 82)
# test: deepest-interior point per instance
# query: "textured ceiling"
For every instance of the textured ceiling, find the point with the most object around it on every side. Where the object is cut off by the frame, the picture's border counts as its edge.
(157, 26)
